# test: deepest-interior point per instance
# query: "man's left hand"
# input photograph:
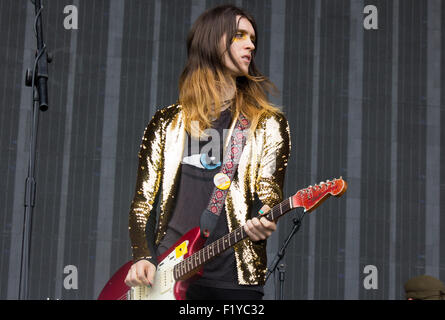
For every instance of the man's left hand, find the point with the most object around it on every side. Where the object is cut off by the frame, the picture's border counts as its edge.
(260, 229)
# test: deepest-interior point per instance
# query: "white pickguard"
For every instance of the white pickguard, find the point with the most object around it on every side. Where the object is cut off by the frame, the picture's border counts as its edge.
(164, 281)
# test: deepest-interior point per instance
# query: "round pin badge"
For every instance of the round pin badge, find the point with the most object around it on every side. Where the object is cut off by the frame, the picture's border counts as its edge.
(221, 181)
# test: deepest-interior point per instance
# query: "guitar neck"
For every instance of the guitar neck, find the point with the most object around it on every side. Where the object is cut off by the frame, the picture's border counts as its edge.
(199, 258)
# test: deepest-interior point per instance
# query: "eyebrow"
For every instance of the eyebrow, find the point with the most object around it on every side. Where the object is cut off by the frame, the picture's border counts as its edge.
(246, 32)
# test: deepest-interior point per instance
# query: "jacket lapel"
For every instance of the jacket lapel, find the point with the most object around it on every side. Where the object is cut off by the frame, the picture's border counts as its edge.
(174, 149)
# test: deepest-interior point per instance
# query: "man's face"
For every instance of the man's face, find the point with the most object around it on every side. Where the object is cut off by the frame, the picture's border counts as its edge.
(241, 48)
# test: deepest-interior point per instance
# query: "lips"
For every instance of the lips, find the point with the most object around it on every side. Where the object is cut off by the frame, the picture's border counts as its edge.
(246, 58)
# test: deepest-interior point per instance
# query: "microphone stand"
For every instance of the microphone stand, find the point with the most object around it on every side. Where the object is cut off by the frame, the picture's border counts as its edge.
(37, 79)
(280, 255)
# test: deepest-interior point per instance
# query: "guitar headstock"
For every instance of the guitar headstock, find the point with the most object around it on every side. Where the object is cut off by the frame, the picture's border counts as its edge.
(313, 196)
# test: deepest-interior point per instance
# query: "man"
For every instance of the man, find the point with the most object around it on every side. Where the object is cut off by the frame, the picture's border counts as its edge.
(219, 84)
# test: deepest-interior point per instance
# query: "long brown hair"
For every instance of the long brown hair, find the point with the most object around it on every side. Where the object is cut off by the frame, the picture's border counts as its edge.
(205, 74)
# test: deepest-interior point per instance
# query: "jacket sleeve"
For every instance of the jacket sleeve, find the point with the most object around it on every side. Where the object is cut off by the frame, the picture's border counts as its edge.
(274, 159)
(142, 216)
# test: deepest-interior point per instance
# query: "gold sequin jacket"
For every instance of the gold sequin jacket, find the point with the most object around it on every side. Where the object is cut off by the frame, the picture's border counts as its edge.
(260, 175)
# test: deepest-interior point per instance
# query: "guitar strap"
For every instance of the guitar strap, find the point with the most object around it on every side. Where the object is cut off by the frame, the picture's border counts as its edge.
(210, 215)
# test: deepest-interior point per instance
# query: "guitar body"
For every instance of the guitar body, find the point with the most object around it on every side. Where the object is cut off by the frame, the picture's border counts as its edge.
(164, 285)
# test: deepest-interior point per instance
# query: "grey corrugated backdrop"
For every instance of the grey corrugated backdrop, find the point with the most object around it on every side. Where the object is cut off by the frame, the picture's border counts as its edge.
(363, 104)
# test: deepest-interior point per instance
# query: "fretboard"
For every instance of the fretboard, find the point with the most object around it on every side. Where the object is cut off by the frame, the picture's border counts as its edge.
(197, 259)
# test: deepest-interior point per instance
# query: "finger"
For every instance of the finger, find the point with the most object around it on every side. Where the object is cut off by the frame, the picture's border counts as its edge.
(252, 236)
(267, 224)
(127, 279)
(131, 277)
(258, 229)
(151, 270)
(264, 210)
(263, 227)
(250, 231)
(142, 275)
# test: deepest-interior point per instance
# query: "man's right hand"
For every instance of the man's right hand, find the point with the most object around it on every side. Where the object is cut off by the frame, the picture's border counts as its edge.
(141, 273)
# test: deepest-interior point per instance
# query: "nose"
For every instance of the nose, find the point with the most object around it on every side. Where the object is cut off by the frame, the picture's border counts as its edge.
(250, 44)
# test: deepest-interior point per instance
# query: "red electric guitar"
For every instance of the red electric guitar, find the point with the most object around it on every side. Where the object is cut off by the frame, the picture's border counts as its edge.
(182, 263)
